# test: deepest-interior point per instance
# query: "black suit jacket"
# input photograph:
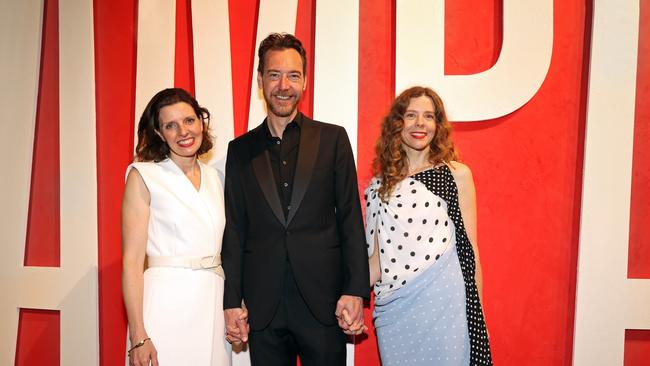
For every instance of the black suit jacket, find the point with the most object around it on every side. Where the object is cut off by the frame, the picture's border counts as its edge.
(322, 237)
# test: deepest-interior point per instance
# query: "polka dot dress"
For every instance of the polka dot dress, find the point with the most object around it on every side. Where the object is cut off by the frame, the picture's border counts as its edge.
(442, 200)
(441, 182)
(414, 230)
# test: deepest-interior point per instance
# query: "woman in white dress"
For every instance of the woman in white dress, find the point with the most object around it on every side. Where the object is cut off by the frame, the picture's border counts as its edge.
(173, 216)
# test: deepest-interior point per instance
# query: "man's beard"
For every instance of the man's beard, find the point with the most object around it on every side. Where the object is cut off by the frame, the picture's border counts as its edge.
(281, 112)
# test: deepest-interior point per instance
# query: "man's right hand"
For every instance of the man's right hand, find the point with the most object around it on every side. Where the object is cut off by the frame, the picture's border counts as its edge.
(349, 312)
(236, 325)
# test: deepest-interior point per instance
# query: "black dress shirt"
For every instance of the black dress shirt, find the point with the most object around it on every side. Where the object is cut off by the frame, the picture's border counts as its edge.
(283, 153)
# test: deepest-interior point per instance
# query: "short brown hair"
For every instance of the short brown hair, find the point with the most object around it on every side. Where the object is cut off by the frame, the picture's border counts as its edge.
(151, 147)
(281, 41)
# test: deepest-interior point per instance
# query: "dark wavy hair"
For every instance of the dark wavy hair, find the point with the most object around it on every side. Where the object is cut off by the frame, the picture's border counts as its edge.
(151, 147)
(391, 163)
(281, 41)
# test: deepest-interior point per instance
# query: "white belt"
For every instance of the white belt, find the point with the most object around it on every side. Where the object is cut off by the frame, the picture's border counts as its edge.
(209, 263)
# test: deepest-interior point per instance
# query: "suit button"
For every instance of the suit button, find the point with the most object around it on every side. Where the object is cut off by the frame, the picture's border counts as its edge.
(287, 232)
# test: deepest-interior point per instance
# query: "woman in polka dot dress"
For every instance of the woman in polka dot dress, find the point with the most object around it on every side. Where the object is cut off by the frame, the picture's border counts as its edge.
(421, 234)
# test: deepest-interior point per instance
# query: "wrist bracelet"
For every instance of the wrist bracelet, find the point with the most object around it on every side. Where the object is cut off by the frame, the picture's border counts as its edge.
(138, 345)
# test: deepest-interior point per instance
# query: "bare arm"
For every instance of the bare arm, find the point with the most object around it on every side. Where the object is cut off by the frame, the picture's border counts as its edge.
(373, 263)
(135, 222)
(467, 202)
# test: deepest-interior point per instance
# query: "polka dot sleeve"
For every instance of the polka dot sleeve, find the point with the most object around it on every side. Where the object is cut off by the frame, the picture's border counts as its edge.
(372, 214)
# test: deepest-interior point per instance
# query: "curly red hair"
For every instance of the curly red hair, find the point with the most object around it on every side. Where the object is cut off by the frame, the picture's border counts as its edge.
(391, 163)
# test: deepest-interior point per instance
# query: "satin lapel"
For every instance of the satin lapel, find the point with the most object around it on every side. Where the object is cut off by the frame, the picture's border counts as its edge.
(307, 153)
(262, 168)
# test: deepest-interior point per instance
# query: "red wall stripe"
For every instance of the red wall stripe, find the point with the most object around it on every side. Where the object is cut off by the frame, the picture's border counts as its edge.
(572, 252)
(639, 250)
(306, 32)
(376, 78)
(43, 241)
(184, 50)
(637, 347)
(243, 29)
(376, 91)
(115, 26)
(473, 35)
(38, 338)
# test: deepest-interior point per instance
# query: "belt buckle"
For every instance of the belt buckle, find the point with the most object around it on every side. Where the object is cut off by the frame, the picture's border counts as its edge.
(207, 262)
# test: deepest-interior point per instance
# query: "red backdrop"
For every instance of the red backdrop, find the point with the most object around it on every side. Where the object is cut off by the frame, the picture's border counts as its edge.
(527, 165)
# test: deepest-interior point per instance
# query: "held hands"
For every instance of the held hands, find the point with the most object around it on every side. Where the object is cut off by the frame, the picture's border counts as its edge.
(236, 320)
(349, 313)
(143, 355)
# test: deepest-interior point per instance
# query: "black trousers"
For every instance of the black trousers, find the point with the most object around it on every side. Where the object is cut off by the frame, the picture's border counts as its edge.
(294, 331)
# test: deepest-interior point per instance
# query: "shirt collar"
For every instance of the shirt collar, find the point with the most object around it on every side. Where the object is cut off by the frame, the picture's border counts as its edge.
(296, 123)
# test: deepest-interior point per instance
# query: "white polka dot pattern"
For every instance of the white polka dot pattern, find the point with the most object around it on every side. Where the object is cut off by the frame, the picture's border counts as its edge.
(413, 231)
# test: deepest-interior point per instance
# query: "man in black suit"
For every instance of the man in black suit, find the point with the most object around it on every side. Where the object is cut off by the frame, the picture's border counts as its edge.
(294, 249)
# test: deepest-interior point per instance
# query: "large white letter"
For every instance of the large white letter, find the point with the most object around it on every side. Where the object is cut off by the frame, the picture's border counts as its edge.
(212, 70)
(275, 16)
(71, 288)
(607, 302)
(336, 65)
(156, 45)
(20, 33)
(514, 79)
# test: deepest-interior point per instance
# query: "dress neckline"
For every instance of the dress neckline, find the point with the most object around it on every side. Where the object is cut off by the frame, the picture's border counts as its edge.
(196, 189)
(431, 167)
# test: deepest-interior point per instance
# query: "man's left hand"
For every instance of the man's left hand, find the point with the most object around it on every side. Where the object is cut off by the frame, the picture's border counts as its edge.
(349, 313)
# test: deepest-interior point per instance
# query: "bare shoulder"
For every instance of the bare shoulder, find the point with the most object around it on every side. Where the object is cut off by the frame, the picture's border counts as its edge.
(461, 172)
(135, 187)
(134, 176)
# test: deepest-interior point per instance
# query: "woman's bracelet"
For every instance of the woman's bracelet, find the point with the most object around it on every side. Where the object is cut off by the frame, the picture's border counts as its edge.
(138, 345)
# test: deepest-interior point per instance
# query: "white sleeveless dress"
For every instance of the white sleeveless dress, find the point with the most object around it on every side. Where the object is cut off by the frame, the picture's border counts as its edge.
(182, 307)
